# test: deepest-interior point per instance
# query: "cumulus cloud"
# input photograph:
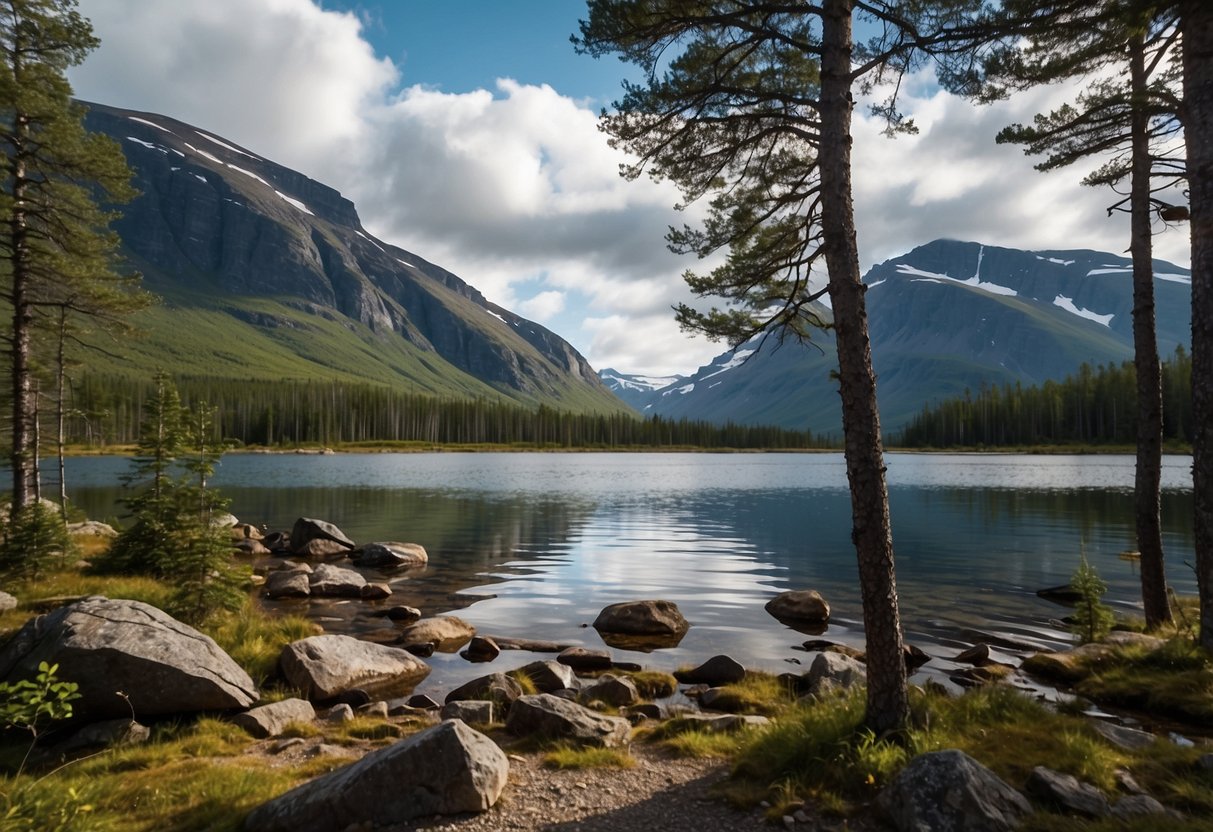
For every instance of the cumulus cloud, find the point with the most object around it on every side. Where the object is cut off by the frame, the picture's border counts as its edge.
(516, 190)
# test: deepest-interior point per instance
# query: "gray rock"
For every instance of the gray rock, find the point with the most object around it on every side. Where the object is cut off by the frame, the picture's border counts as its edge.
(1066, 792)
(287, 584)
(322, 667)
(642, 618)
(550, 676)
(446, 632)
(92, 528)
(481, 649)
(444, 770)
(646, 710)
(378, 710)
(335, 582)
(718, 670)
(389, 554)
(320, 548)
(1136, 805)
(307, 529)
(250, 548)
(495, 687)
(949, 791)
(375, 591)
(724, 723)
(109, 733)
(402, 613)
(159, 665)
(270, 720)
(585, 659)
(799, 605)
(977, 654)
(7, 602)
(423, 702)
(616, 691)
(548, 716)
(832, 672)
(471, 711)
(340, 713)
(1130, 739)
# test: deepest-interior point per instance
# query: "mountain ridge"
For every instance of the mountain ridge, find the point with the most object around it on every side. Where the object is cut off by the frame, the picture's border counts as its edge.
(264, 256)
(944, 317)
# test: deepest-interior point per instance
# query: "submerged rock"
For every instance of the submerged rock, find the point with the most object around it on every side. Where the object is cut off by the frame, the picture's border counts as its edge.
(642, 618)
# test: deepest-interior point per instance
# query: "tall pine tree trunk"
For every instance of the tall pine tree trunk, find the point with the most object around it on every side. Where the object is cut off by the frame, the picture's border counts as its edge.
(888, 702)
(1147, 500)
(1197, 23)
(23, 456)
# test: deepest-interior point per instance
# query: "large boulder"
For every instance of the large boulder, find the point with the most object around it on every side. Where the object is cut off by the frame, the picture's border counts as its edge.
(323, 667)
(800, 605)
(642, 618)
(446, 632)
(551, 717)
(390, 554)
(949, 791)
(333, 581)
(121, 651)
(616, 691)
(320, 548)
(307, 529)
(444, 770)
(92, 528)
(288, 583)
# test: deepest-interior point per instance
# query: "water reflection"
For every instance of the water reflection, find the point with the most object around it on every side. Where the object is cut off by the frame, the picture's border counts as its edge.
(534, 545)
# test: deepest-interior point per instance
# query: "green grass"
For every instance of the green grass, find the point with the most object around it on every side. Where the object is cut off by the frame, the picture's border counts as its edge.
(581, 758)
(255, 639)
(758, 693)
(652, 684)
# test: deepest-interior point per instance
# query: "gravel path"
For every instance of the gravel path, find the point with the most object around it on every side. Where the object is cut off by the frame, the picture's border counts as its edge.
(661, 793)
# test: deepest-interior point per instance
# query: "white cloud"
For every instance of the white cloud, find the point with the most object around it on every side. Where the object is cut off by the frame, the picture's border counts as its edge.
(543, 307)
(501, 186)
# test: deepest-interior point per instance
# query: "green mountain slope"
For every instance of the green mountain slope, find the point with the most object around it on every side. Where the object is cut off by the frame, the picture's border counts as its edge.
(265, 274)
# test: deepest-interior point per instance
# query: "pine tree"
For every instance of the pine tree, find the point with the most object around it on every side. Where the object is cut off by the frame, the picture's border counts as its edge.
(751, 102)
(207, 578)
(149, 544)
(1130, 115)
(1196, 24)
(54, 240)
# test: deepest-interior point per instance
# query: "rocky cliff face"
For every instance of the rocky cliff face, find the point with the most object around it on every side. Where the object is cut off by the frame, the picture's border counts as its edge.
(218, 221)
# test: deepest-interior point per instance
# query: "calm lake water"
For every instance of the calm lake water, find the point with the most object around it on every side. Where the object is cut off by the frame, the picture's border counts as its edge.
(534, 545)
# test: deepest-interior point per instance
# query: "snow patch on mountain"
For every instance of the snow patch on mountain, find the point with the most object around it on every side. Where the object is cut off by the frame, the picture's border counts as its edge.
(1174, 278)
(1056, 260)
(212, 157)
(372, 242)
(1109, 270)
(735, 360)
(224, 144)
(1068, 304)
(294, 202)
(150, 124)
(616, 380)
(975, 281)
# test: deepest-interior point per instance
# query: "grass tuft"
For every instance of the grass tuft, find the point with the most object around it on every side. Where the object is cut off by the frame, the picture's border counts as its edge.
(567, 757)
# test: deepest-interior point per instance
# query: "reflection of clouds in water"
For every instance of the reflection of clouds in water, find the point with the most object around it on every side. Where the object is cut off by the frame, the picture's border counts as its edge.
(557, 537)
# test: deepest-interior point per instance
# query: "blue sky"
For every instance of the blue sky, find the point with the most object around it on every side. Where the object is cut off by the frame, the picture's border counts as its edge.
(466, 132)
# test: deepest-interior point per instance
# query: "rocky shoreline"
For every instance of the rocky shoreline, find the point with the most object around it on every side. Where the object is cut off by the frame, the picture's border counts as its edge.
(134, 662)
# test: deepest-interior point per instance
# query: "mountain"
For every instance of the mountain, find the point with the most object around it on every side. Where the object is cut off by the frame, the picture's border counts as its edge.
(267, 274)
(635, 390)
(945, 317)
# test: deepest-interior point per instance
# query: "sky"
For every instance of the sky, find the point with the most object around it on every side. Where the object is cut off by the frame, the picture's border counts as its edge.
(465, 131)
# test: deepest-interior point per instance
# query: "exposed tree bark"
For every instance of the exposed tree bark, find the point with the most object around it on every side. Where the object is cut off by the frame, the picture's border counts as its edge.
(1197, 22)
(888, 702)
(23, 457)
(1147, 495)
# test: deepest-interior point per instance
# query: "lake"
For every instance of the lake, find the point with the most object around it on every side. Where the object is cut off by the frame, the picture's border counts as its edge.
(533, 545)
